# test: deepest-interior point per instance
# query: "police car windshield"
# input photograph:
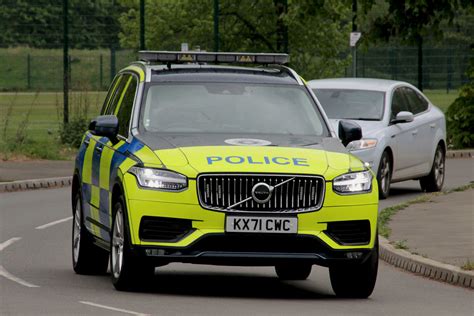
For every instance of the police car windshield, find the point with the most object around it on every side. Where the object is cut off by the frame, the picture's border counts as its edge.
(230, 108)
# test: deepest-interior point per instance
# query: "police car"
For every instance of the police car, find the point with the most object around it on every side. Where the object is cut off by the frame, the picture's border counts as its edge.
(223, 159)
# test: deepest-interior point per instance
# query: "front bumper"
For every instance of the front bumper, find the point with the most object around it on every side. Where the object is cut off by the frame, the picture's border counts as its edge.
(207, 241)
(254, 250)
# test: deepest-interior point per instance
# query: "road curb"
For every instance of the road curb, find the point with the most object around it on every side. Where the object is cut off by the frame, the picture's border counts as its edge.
(24, 185)
(463, 153)
(424, 266)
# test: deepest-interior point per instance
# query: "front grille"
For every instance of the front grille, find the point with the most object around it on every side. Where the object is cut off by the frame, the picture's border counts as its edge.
(164, 228)
(291, 193)
(349, 232)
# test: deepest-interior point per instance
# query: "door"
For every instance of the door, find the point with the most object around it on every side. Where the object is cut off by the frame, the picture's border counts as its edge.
(405, 135)
(425, 125)
(112, 151)
(95, 196)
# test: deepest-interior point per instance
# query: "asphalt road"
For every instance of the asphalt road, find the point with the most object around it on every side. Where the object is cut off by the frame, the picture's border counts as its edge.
(36, 277)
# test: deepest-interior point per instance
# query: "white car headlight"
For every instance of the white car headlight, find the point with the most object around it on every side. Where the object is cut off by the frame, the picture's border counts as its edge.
(159, 179)
(365, 143)
(355, 182)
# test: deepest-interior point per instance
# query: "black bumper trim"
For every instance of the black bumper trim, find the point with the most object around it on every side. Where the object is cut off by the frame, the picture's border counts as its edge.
(212, 249)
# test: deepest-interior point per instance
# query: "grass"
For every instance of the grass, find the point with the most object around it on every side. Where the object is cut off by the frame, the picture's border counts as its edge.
(401, 244)
(30, 122)
(442, 99)
(387, 213)
(468, 265)
(46, 68)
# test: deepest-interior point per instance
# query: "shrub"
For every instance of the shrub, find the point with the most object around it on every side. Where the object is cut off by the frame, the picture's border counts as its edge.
(460, 116)
(71, 133)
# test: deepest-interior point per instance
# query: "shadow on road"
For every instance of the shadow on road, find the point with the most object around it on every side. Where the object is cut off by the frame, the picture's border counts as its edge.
(229, 285)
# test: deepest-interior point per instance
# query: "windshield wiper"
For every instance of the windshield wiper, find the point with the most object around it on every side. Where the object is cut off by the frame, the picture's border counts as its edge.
(361, 118)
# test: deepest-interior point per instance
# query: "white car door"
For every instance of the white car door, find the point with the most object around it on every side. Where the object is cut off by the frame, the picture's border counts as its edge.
(406, 154)
(426, 125)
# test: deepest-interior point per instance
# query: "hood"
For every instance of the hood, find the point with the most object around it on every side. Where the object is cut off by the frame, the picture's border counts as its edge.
(186, 156)
(368, 127)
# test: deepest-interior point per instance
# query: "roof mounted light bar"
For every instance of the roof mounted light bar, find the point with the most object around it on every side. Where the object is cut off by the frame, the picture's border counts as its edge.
(210, 57)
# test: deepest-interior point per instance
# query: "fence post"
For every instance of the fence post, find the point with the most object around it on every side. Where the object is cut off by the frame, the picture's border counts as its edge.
(112, 63)
(449, 70)
(28, 71)
(101, 74)
(69, 74)
(393, 63)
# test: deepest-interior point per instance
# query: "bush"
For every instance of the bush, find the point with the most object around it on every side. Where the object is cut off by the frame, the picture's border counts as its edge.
(71, 134)
(460, 116)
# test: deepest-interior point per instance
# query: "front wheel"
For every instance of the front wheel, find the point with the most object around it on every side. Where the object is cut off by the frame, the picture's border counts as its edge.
(127, 270)
(87, 258)
(356, 280)
(434, 181)
(293, 271)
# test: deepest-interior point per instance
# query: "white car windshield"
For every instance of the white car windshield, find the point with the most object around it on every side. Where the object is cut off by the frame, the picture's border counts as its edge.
(352, 104)
(231, 108)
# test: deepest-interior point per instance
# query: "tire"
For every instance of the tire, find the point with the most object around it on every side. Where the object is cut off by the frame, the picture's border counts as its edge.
(128, 271)
(87, 258)
(434, 181)
(293, 271)
(384, 175)
(356, 280)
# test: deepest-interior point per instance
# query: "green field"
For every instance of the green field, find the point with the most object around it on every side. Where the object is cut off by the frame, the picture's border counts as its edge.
(30, 122)
(28, 69)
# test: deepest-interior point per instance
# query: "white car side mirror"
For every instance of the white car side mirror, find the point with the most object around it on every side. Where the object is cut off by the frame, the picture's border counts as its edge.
(403, 117)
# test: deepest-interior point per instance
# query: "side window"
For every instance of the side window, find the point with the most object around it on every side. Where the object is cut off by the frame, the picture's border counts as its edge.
(110, 94)
(124, 112)
(416, 102)
(117, 94)
(398, 103)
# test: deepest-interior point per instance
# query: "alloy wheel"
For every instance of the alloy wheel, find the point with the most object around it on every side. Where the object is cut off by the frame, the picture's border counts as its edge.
(117, 244)
(76, 242)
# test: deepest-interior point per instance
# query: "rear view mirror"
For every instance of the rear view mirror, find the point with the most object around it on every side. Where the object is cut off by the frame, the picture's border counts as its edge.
(105, 125)
(403, 117)
(349, 131)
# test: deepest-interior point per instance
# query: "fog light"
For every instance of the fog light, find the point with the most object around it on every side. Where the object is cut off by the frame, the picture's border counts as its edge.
(354, 255)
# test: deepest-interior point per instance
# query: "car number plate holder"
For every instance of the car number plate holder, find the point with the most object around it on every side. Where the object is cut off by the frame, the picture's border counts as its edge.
(261, 224)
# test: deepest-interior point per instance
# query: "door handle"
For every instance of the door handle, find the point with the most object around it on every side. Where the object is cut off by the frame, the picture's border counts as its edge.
(414, 132)
(87, 141)
(99, 148)
(433, 125)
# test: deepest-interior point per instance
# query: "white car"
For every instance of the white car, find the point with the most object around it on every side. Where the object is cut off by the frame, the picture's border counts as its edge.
(404, 134)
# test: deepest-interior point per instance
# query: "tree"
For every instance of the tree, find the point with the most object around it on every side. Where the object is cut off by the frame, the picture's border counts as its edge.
(39, 23)
(411, 21)
(316, 32)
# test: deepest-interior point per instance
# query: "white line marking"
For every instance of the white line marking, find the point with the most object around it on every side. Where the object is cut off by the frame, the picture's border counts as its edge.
(112, 308)
(7, 243)
(7, 274)
(59, 221)
(13, 278)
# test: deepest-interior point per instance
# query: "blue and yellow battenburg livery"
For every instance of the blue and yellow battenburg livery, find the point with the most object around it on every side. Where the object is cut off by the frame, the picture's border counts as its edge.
(145, 199)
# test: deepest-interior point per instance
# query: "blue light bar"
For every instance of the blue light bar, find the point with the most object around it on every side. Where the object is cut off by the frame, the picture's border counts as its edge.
(210, 57)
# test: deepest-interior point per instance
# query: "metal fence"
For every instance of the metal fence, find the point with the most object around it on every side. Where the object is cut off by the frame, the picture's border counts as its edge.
(443, 67)
(35, 70)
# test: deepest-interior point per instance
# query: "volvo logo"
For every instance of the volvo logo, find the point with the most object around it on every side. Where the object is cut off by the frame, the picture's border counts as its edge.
(262, 192)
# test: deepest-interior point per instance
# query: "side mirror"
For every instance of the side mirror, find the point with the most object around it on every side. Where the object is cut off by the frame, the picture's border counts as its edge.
(349, 131)
(403, 117)
(105, 125)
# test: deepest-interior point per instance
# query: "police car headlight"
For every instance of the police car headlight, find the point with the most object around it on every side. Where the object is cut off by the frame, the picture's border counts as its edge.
(362, 144)
(355, 182)
(159, 179)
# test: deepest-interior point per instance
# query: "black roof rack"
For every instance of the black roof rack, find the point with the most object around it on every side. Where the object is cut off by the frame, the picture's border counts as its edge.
(212, 57)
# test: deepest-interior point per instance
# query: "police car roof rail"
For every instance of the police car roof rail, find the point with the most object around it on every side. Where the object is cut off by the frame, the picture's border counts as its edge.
(170, 57)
